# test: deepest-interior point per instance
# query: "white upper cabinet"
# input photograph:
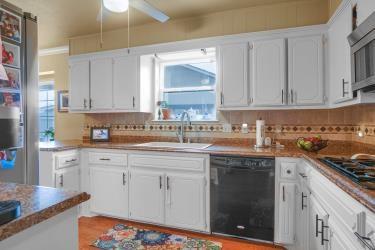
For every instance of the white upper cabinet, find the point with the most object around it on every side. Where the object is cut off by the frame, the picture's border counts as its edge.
(305, 64)
(79, 85)
(185, 201)
(125, 82)
(234, 75)
(267, 71)
(339, 57)
(101, 84)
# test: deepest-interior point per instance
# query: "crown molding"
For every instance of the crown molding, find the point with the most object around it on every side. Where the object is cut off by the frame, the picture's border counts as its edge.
(54, 51)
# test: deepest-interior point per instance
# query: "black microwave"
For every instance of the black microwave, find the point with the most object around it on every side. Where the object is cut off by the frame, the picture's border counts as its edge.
(362, 43)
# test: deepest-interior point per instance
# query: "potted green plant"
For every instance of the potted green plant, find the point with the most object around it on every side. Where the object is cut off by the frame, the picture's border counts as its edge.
(49, 134)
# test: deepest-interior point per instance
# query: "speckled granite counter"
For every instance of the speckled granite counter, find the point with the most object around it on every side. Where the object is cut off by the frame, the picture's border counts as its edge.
(37, 205)
(244, 148)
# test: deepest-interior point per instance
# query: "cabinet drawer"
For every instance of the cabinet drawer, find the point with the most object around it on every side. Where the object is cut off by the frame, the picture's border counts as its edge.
(67, 160)
(288, 170)
(167, 162)
(108, 158)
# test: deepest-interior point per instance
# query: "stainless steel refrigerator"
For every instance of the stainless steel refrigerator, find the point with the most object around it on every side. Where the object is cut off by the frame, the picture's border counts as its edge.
(19, 34)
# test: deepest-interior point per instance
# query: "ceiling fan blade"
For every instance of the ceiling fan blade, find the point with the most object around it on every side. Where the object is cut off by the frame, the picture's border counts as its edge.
(148, 9)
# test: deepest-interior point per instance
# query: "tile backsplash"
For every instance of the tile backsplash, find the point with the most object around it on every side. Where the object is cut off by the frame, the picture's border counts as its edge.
(334, 124)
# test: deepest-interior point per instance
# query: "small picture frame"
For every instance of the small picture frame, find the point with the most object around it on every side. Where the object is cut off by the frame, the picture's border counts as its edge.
(10, 25)
(14, 79)
(100, 134)
(11, 55)
(63, 101)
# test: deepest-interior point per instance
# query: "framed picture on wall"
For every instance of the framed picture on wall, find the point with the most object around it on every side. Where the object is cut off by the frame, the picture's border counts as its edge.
(63, 101)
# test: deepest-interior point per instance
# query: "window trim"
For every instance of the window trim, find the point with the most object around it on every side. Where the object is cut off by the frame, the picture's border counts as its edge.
(47, 101)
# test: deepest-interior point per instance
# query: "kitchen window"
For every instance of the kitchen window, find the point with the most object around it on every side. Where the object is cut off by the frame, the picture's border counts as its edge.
(186, 82)
(46, 111)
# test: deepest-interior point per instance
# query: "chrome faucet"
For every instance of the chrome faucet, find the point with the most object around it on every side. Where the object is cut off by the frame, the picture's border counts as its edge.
(181, 130)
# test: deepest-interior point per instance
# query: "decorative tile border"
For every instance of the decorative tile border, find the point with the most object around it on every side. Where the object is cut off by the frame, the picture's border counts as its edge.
(236, 128)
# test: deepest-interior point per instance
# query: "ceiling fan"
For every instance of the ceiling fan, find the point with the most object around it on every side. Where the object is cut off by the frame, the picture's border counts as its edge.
(119, 6)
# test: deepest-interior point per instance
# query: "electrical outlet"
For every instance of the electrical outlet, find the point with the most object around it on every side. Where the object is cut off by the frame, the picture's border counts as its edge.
(227, 128)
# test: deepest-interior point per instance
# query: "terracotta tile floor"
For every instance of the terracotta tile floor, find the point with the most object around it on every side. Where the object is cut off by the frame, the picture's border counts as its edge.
(91, 228)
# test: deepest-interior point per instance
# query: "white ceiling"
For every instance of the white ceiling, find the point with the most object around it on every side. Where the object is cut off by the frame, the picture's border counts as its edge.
(60, 19)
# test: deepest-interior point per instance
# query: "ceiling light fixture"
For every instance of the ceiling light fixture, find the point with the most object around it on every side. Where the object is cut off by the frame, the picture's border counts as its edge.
(116, 5)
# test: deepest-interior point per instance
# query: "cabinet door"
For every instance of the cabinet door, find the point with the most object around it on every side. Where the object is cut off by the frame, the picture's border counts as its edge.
(339, 57)
(125, 82)
(109, 191)
(305, 56)
(79, 73)
(268, 72)
(302, 217)
(185, 201)
(318, 220)
(286, 213)
(68, 179)
(233, 72)
(101, 84)
(147, 196)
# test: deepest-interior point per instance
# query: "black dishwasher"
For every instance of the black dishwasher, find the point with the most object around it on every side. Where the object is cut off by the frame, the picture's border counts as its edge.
(243, 197)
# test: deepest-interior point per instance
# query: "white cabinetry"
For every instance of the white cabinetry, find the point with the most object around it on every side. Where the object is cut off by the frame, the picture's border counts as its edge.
(339, 57)
(111, 82)
(185, 201)
(60, 169)
(109, 191)
(79, 85)
(108, 183)
(305, 64)
(234, 75)
(147, 196)
(101, 84)
(170, 189)
(286, 213)
(125, 79)
(268, 72)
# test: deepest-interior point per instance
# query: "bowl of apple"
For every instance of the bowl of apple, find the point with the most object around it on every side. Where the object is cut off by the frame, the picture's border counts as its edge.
(312, 144)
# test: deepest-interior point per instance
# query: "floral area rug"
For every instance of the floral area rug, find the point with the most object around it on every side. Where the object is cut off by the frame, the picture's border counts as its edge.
(123, 237)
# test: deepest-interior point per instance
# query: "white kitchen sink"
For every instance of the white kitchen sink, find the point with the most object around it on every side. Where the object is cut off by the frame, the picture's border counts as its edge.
(174, 145)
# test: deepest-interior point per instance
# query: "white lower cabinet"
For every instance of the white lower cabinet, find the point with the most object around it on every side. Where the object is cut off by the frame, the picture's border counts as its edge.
(318, 226)
(67, 178)
(302, 217)
(147, 196)
(185, 201)
(286, 213)
(109, 191)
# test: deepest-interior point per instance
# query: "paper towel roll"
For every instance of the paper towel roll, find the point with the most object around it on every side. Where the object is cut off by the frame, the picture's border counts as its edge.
(260, 133)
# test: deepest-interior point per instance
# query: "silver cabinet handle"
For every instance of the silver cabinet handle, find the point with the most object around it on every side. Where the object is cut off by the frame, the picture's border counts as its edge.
(85, 103)
(282, 96)
(133, 101)
(366, 241)
(69, 161)
(291, 96)
(322, 234)
(61, 180)
(303, 175)
(316, 225)
(343, 88)
(283, 193)
(302, 199)
(123, 179)
(221, 98)
(90, 103)
(160, 184)
(167, 183)
(104, 159)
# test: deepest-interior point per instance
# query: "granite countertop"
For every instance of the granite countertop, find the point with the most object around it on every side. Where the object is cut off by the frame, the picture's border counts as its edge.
(234, 147)
(37, 205)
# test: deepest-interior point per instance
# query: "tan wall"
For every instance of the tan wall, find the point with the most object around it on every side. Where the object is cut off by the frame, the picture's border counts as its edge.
(332, 6)
(267, 17)
(67, 126)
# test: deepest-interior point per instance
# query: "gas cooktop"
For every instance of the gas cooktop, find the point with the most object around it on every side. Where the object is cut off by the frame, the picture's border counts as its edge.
(360, 171)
